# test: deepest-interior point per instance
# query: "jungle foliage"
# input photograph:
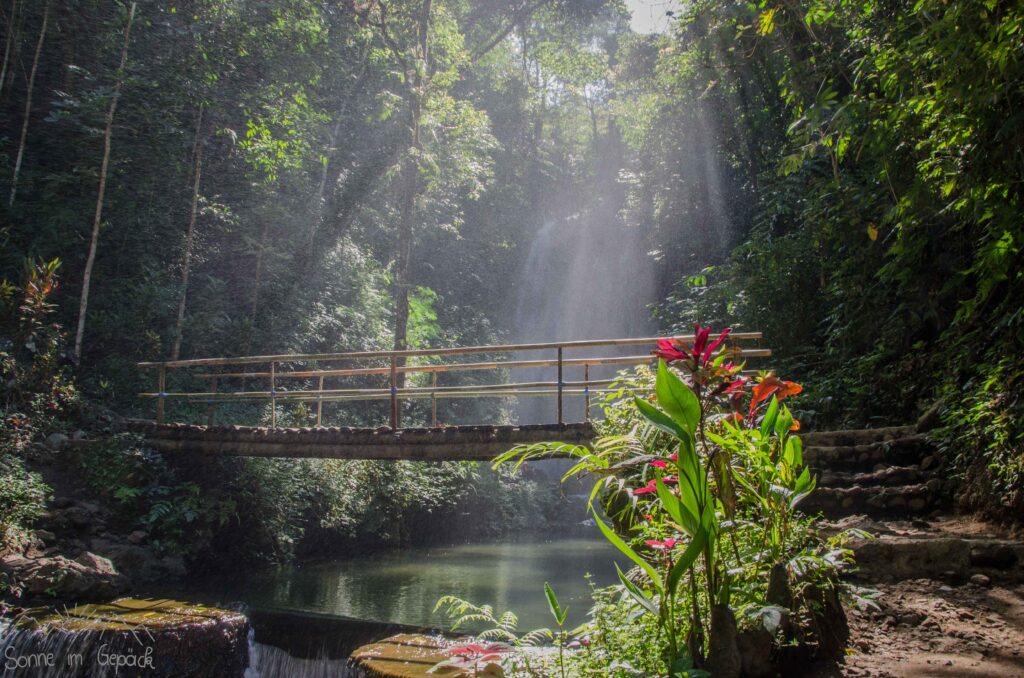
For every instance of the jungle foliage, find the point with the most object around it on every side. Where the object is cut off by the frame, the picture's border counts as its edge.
(313, 175)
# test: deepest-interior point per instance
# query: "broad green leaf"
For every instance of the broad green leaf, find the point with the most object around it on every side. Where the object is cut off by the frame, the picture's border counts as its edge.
(637, 595)
(659, 419)
(676, 398)
(768, 423)
(783, 422)
(686, 561)
(556, 610)
(617, 541)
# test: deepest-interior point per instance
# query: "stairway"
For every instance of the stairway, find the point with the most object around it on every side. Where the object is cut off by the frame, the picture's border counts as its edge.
(878, 472)
(887, 482)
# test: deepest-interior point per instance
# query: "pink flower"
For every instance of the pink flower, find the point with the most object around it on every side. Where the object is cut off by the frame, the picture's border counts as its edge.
(659, 464)
(666, 545)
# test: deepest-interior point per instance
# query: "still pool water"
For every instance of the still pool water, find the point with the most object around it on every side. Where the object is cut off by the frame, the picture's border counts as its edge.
(402, 586)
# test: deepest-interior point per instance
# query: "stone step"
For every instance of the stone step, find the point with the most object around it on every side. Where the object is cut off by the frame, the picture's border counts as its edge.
(880, 477)
(904, 450)
(916, 499)
(854, 437)
(949, 558)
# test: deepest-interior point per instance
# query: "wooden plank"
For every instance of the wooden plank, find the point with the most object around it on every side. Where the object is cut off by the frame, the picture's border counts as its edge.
(471, 443)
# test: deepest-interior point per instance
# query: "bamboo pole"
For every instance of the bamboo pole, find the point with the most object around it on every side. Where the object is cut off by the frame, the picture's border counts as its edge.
(463, 350)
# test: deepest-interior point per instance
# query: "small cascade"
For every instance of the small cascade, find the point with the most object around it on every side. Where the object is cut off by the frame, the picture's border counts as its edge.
(126, 637)
(267, 661)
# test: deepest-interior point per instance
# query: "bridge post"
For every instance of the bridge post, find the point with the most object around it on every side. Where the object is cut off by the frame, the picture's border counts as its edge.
(560, 386)
(394, 393)
(320, 402)
(433, 401)
(586, 391)
(210, 404)
(273, 396)
(161, 387)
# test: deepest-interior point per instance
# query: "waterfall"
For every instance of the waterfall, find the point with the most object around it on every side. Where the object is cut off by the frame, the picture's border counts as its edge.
(267, 661)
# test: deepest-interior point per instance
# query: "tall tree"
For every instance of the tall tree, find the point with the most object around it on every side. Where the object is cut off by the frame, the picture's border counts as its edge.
(108, 132)
(28, 101)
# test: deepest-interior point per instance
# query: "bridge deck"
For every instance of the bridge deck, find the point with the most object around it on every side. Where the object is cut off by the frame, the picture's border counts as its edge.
(450, 443)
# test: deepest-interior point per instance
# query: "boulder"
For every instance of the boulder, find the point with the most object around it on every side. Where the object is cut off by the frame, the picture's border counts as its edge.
(56, 441)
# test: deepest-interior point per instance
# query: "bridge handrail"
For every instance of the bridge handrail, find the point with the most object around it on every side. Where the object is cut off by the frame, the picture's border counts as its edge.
(559, 388)
(409, 353)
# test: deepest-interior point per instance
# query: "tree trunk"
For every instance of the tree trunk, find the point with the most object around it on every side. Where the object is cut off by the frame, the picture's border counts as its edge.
(197, 171)
(410, 189)
(7, 44)
(83, 305)
(28, 100)
(256, 285)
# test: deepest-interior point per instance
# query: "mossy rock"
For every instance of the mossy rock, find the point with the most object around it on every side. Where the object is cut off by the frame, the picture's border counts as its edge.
(155, 637)
(402, 656)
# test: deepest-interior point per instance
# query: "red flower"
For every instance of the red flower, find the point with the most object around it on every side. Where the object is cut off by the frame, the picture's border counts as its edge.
(671, 350)
(772, 385)
(662, 545)
(659, 464)
(475, 650)
(670, 480)
(647, 489)
(667, 350)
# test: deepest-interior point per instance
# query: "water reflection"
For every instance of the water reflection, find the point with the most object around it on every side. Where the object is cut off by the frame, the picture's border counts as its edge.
(402, 586)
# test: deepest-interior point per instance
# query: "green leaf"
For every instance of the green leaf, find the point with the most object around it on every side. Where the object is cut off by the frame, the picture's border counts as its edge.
(616, 541)
(676, 398)
(768, 423)
(686, 561)
(783, 423)
(637, 595)
(659, 419)
(556, 610)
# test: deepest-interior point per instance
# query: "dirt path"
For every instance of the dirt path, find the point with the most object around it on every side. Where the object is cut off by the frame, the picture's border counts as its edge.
(928, 628)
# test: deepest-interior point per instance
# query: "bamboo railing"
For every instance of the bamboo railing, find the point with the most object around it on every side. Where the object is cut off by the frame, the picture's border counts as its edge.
(273, 373)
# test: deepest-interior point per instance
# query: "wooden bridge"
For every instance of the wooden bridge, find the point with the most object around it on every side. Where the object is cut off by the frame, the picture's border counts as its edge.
(316, 379)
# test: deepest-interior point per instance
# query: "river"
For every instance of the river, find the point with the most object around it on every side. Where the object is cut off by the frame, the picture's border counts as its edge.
(403, 585)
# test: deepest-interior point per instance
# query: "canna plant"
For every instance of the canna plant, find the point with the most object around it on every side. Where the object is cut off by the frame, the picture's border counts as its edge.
(710, 454)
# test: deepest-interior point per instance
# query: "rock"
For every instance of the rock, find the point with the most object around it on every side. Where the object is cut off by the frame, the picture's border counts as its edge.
(723, 651)
(46, 535)
(931, 419)
(62, 502)
(927, 462)
(55, 441)
(778, 587)
(157, 639)
(174, 565)
(78, 517)
(137, 537)
(755, 647)
(910, 618)
(78, 435)
(999, 556)
(981, 580)
(97, 563)
(91, 577)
